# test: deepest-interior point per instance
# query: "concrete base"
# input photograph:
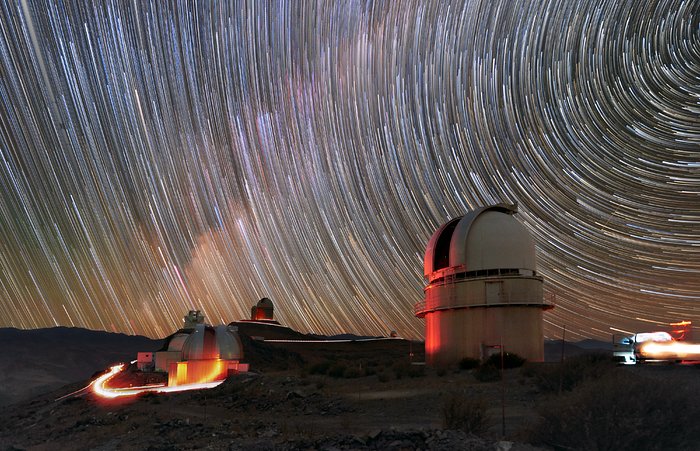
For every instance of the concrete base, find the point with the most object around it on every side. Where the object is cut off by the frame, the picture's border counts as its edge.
(451, 335)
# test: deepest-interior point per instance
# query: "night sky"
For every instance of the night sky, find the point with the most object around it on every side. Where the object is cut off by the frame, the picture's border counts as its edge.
(158, 156)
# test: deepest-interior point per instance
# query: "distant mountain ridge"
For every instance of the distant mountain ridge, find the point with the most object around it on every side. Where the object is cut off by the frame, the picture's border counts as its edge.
(40, 360)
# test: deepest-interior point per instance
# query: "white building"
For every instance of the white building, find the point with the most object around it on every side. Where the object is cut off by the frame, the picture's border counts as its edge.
(483, 289)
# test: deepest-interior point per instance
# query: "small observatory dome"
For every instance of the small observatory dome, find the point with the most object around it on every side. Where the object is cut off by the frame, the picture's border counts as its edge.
(263, 310)
(208, 342)
(177, 341)
(483, 290)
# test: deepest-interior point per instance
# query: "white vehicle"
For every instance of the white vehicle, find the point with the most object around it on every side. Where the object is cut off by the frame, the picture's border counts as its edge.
(628, 349)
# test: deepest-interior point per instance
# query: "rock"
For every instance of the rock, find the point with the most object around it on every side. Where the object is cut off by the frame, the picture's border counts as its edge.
(295, 394)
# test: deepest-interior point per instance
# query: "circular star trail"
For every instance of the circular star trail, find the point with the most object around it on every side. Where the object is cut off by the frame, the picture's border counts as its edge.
(162, 156)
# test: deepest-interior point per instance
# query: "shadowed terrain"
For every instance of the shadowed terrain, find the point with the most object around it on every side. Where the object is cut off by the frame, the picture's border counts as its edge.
(41, 360)
(362, 395)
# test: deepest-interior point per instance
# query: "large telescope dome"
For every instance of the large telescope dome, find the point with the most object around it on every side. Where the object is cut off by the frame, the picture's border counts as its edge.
(483, 291)
(208, 342)
(483, 239)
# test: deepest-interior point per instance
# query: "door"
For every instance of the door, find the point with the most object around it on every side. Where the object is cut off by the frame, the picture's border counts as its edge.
(494, 293)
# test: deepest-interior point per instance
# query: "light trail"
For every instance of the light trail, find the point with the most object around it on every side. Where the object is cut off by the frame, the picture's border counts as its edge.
(100, 388)
(672, 350)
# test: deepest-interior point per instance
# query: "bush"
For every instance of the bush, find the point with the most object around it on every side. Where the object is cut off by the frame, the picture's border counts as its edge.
(569, 374)
(320, 368)
(370, 371)
(510, 360)
(383, 377)
(466, 413)
(402, 369)
(416, 371)
(621, 413)
(487, 373)
(337, 370)
(468, 363)
(352, 373)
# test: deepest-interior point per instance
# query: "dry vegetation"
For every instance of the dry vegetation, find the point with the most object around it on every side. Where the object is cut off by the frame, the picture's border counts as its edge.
(598, 406)
(370, 396)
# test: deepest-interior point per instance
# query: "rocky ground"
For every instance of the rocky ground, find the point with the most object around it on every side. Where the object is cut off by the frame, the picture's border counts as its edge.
(280, 410)
(372, 395)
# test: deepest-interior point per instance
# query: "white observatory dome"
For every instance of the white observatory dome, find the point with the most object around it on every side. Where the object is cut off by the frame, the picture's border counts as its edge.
(488, 238)
(483, 291)
(207, 342)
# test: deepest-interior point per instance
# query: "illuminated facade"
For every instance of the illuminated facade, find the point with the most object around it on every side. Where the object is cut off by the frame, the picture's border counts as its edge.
(483, 290)
(208, 354)
(197, 354)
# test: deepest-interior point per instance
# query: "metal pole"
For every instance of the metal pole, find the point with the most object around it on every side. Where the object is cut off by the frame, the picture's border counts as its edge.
(503, 395)
(563, 340)
(561, 362)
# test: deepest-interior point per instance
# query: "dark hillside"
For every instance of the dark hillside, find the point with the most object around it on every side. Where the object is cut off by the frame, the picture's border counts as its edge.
(40, 360)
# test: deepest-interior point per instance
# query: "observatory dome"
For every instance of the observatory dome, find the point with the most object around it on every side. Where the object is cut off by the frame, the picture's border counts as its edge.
(177, 341)
(208, 342)
(485, 239)
(483, 291)
(265, 303)
(264, 310)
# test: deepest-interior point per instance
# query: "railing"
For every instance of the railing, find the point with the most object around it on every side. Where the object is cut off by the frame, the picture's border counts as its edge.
(448, 301)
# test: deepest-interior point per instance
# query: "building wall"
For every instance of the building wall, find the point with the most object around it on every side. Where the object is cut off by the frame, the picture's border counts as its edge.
(197, 371)
(165, 358)
(484, 291)
(466, 317)
(452, 335)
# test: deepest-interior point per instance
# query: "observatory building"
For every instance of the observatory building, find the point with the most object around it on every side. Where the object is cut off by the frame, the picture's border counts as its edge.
(197, 353)
(264, 310)
(483, 290)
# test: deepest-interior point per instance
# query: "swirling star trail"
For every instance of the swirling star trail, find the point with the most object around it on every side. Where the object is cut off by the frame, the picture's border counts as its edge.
(158, 156)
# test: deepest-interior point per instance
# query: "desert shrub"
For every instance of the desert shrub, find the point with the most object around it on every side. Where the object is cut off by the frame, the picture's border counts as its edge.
(151, 397)
(619, 412)
(400, 369)
(569, 374)
(468, 363)
(320, 367)
(405, 369)
(416, 371)
(510, 360)
(337, 370)
(351, 373)
(461, 411)
(487, 373)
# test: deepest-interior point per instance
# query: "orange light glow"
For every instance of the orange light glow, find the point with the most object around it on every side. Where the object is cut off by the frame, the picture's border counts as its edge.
(681, 330)
(197, 372)
(100, 388)
(672, 350)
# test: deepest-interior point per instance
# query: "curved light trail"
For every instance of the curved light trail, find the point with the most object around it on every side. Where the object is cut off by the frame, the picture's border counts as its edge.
(100, 386)
(160, 156)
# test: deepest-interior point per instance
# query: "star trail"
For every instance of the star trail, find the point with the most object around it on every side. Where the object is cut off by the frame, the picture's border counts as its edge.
(161, 156)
